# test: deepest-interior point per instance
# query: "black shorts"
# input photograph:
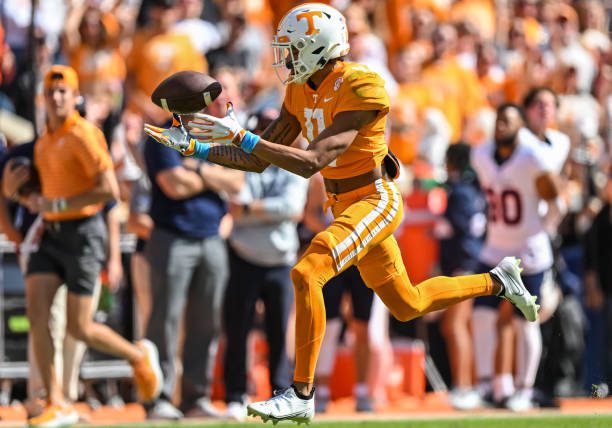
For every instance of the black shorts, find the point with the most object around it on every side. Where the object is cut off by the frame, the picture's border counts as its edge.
(361, 295)
(75, 250)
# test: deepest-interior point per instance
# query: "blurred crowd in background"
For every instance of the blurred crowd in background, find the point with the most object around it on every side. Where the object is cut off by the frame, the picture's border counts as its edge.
(447, 66)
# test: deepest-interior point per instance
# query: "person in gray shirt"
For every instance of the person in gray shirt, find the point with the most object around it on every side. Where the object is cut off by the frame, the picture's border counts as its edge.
(263, 247)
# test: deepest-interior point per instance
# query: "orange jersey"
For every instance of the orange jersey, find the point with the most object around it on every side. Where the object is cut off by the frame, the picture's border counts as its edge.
(152, 59)
(93, 66)
(456, 91)
(348, 87)
(69, 161)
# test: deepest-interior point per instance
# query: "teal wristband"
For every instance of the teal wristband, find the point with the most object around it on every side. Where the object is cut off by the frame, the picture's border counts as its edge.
(201, 151)
(249, 141)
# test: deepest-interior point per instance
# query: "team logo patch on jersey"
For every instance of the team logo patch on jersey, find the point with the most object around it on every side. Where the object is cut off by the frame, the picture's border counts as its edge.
(337, 83)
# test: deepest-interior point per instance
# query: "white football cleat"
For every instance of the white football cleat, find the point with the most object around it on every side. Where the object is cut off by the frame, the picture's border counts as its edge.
(509, 273)
(284, 406)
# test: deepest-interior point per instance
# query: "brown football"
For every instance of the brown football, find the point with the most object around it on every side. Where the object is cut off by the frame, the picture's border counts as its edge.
(186, 92)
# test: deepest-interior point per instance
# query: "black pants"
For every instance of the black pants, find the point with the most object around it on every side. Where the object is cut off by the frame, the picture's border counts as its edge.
(247, 284)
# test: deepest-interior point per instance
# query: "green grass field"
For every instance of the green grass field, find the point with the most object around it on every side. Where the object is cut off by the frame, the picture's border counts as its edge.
(539, 421)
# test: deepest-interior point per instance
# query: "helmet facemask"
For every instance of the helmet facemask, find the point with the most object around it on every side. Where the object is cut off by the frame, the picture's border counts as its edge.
(289, 63)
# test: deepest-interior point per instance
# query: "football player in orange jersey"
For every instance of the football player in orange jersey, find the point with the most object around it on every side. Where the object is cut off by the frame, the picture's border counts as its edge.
(341, 108)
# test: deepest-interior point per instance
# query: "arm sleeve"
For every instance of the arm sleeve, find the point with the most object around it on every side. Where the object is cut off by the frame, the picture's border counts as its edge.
(364, 90)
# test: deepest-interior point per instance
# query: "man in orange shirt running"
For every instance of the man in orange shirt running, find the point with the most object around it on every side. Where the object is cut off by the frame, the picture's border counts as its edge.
(341, 109)
(77, 179)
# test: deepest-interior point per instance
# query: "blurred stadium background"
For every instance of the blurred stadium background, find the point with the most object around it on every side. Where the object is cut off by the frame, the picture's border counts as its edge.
(500, 49)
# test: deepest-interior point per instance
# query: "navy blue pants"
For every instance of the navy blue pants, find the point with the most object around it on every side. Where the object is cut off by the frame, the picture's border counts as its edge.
(247, 284)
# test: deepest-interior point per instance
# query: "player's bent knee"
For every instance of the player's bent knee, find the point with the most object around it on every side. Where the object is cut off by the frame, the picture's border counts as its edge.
(302, 277)
(312, 269)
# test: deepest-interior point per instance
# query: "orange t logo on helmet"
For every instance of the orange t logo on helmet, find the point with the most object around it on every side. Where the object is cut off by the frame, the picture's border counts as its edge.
(309, 16)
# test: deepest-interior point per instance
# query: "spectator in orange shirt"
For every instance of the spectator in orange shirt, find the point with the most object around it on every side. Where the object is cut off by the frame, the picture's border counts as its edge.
(410, 21)
(90, 42)
(158, 52)
(407, 111)
(76, 178)
(455, 90)
(527, 11)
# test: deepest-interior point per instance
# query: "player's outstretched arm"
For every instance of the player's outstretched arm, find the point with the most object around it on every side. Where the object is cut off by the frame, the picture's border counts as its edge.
(284, 130)
(328, 145)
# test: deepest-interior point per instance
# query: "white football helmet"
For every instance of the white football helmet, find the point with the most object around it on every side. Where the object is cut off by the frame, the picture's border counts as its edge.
(307, 37)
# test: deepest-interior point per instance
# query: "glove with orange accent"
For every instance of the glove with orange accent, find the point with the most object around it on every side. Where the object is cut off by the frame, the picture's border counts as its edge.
(177, 138)
(223, 130)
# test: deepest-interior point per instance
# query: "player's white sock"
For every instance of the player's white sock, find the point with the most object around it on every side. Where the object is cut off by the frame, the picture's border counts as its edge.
(503, 386)
(327, 355)
(484, 335)
(528, 352)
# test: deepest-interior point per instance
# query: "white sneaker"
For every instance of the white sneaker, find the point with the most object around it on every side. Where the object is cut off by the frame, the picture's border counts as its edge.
(236, 411)
(520, 401)
(464, 399)
(284, 406)
(164, 410)
(509, 274)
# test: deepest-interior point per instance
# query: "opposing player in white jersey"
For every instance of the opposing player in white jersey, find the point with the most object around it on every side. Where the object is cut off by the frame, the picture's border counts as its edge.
(515, 180)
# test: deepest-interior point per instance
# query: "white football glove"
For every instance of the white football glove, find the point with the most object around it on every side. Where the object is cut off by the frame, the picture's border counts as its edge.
(211, 129)
(175, 137)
